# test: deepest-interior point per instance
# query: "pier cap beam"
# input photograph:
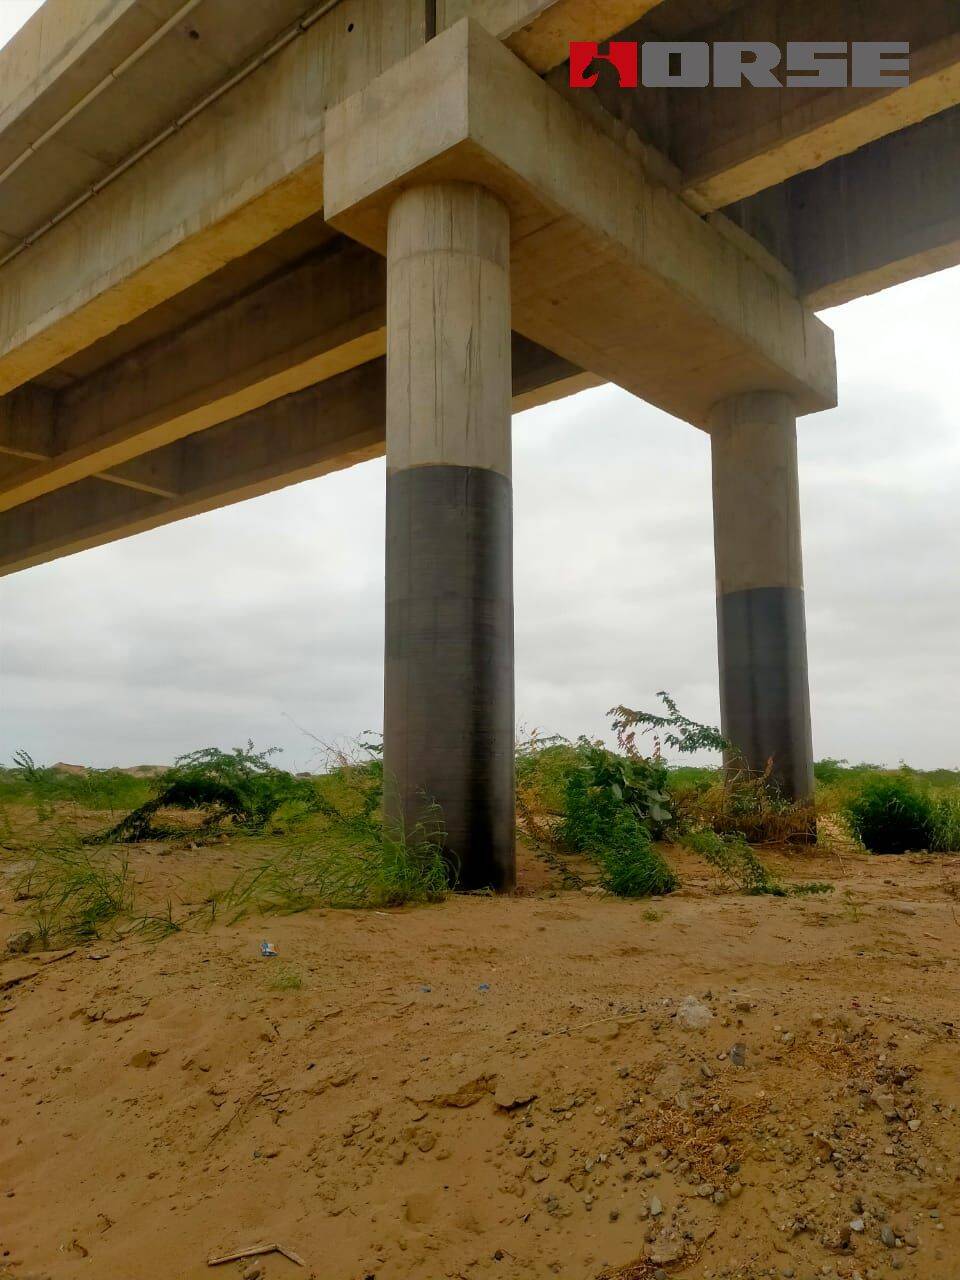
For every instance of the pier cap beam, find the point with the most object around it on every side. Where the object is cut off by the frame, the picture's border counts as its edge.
(610, 269)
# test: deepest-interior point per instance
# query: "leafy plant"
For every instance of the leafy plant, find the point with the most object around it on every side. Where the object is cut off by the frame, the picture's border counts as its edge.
(604, 782)
(610, 804)
(674, 729)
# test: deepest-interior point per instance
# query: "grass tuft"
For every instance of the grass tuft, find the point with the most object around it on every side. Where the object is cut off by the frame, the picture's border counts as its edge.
(74, 894)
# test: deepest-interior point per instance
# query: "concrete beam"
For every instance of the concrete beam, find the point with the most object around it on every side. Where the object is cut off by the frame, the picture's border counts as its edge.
(308, 324)
(731, 145)
(888, 213)
(540, 31)
(323, 429)
(610, 270)
(234, 177)
(63, 51)
(885, 214)
(231, 179)
(27, 418)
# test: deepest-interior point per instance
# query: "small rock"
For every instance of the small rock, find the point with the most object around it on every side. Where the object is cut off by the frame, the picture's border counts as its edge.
(887, 1237)
(693, 1015)
(735, 1190)
(738, 1055)
(913, 1125)
(253, 1273)
(665, 1249)
(656, 1207)
(511, 1094)
(857, 1225)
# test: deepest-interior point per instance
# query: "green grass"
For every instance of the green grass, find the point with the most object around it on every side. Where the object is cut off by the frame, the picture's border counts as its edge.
(99, 790)
(286, 979)
(339, 866)
(74, 895)
(739, 863)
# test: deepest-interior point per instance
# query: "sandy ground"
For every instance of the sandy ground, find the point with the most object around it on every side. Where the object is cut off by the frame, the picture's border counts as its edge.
(499, 1088)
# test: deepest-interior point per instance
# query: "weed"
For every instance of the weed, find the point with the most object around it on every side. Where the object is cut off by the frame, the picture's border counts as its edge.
(336, 872)
(156, 927)
(631, 867)
(73, 894)
(734, 858)
(852, 907)
(286, 980)
(675, 729)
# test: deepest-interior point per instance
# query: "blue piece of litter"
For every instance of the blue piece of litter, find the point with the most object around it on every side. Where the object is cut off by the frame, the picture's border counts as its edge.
(427, 989)
(268, 949)
(484, 986)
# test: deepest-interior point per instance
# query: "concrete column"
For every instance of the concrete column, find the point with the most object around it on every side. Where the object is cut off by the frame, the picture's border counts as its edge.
(449, 714)
(764, 695)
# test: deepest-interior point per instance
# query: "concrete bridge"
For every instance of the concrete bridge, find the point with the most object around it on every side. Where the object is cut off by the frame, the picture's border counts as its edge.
(246, 244)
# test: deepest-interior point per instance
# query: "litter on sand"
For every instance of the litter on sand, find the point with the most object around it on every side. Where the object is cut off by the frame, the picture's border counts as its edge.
(254, 1251)
(268, 949)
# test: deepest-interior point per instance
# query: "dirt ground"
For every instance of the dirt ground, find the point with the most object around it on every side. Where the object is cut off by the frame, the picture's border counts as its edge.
(553, 1084)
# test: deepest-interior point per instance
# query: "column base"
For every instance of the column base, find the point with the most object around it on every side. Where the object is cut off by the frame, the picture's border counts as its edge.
(449, 697)
(763, 685)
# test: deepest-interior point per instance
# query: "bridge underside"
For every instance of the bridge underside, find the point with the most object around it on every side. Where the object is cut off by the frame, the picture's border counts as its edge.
(207, 291)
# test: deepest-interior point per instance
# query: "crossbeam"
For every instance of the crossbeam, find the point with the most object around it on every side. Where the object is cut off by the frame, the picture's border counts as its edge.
(314, 432)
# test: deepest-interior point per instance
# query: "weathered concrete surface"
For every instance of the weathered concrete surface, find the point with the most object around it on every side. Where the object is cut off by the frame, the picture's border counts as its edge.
(730, 145)
(540, 31)
(449, 560)
(764, 694)
(636, 280)
(726, 145)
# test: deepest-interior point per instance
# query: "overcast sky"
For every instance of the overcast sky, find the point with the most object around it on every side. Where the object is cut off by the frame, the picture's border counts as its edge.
(257, 619)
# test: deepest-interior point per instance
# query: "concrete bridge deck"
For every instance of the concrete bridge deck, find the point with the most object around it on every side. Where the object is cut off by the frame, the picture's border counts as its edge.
(197, 200)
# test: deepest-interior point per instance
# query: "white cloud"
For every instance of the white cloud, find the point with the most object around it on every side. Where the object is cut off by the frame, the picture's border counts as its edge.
(13, 14)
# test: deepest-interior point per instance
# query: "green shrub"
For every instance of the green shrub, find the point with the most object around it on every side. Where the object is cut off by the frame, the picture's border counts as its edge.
(241, 785)
(604, 784)
(945, 824)
(631, 867)
(891, 815)
(608, 803)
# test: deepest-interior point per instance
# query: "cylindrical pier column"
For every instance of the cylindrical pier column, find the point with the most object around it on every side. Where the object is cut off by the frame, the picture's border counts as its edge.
(764, 694)
(449, 695)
